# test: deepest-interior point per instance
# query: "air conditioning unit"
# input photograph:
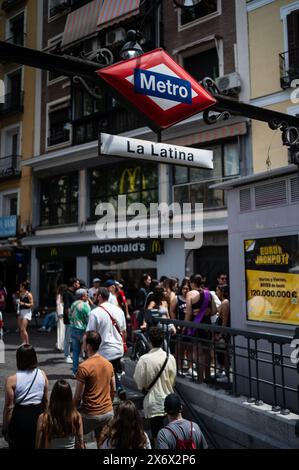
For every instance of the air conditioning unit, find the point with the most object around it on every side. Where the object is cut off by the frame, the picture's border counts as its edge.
(230, 83)
(115, 36)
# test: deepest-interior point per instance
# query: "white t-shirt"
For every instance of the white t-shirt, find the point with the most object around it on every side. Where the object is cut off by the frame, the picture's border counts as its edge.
(111, 345)
(112, 299)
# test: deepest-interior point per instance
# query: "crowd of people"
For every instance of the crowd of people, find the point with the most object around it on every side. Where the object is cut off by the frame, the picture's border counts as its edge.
(91, 333)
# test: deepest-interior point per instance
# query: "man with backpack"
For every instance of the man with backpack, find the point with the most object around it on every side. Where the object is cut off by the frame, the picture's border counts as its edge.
(179, 433)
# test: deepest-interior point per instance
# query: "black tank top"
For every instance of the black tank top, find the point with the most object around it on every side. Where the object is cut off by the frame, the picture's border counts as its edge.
(24, 298)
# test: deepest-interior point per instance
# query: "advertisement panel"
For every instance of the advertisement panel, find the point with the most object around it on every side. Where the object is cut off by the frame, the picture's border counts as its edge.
(272, 279)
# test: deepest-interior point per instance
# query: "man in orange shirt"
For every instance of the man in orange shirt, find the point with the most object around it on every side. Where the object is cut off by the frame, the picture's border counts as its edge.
(95, 387)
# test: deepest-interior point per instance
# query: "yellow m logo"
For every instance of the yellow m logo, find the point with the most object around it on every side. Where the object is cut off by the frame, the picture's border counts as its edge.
(130, 175)
(156, 246)
(54, 252)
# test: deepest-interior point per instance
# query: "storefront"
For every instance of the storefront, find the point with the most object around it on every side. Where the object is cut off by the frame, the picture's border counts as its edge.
(125, 260)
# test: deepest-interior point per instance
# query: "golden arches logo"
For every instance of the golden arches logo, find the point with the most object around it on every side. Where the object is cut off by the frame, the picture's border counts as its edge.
(156, 246)
(54, 252)
(131, 174)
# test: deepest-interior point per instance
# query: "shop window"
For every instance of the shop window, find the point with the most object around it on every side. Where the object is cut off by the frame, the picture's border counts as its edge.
(203, 64)
(138, 182)
(192, 184)
(15, 30)
(203, 11)
(59, 124)
(59, 200)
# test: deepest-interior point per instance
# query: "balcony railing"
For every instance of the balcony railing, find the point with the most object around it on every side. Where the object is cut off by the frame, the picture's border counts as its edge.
(114, 122)
(289, 67)
(55, 10)
(59, 137)
(10, 167)
(7, 4)
(13, 103)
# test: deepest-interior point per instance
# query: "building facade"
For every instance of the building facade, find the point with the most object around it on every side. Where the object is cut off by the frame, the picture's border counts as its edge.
(18, 26)
(70, 179)
(273, 73)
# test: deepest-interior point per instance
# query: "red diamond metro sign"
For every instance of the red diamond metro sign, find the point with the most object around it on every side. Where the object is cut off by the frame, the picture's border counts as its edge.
(158, 88)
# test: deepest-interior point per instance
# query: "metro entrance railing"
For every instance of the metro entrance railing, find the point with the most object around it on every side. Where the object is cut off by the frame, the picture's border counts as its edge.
(261, 367)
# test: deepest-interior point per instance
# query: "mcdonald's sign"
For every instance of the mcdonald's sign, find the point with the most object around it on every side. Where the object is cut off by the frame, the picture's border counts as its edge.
(129, 175)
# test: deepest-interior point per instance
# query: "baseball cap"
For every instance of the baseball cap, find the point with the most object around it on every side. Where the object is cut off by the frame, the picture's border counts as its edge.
(80, 292)
(96, 279)
(172, 404)
(109, 283)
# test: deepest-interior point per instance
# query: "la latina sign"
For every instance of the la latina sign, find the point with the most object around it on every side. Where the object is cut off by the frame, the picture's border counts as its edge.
(157, 87)
(156, 152)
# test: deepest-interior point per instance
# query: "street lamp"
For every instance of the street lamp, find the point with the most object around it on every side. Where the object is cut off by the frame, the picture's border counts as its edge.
(131, 48)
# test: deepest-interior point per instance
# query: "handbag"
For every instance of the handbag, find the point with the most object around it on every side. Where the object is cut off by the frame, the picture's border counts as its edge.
(114, 323)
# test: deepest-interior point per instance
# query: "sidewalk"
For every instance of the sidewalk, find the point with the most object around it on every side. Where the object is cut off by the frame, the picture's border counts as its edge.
(50, 360)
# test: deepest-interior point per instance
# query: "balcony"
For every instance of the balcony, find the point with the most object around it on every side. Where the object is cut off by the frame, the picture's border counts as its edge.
(114, 122)
(59, 137)
(289, 67)
(60, 8)
(200, 192)
(13, 103)
(8, 4)
(10, 167)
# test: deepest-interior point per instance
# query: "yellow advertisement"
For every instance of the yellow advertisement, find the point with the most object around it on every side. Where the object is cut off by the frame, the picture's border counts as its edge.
(272, 279)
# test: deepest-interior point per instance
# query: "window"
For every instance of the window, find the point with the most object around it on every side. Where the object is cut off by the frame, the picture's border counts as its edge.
(10, 152)
(192, 184)
(85, 105)
(204, 9)
(59, 200)
(13, 101)
(289, 59)
(59, 124)
(10, 204)
(203, 64)
(15, 30)
(58, 6)
(138, 182)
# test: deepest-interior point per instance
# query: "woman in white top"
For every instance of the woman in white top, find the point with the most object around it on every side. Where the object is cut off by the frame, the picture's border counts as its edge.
(25, 304)
(125, 430)
(59, 310)
(26, 396)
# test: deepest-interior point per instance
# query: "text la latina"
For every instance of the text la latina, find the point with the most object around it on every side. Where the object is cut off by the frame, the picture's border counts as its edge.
(169, 152)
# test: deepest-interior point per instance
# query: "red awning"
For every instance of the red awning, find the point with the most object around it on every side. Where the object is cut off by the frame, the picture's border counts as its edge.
(82, 23)
(211, 134)
(114, 11)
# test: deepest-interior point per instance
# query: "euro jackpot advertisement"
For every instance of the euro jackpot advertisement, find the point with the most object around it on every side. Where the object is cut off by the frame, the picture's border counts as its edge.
(272, 279)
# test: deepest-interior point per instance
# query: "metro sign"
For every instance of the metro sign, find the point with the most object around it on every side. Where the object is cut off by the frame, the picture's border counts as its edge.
(158, 88)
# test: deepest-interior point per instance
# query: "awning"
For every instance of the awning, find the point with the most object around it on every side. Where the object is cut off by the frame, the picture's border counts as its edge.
(81, 23)
(114, 11)
(86, 21)
(211, 134)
